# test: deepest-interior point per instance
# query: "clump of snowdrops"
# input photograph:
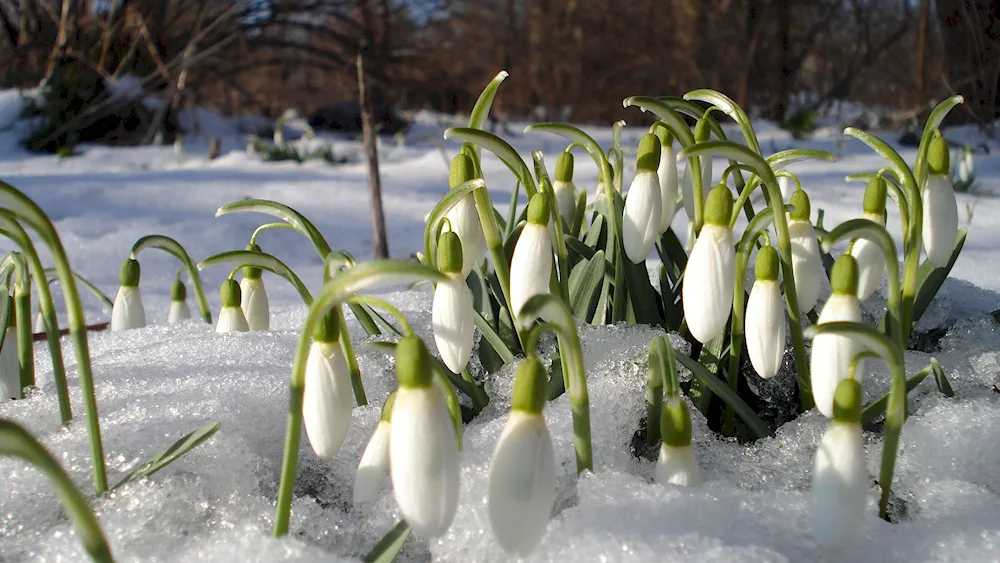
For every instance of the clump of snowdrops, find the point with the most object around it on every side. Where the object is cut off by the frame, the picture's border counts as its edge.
(567, 258)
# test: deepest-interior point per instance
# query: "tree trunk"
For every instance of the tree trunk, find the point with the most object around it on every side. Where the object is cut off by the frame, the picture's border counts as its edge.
(380, 244)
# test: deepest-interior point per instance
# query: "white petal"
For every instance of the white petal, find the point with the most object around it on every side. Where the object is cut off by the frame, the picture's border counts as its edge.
(667, 173)
(127, 311)
(709, 280)
(522, 483)
(839, 486)
(832, 353)
(39, 322)
(565, 194)
(453, 324)
(807, 263)
(871, 266)
(641, 221)
(231, 319)
(765, 328)
(465, 223)
(423, 456)
(253, 301)
(179, 311)
(328, 399)
(373, 466)
(940, 225)
(530, 266)
(677, 466)
(10, 368)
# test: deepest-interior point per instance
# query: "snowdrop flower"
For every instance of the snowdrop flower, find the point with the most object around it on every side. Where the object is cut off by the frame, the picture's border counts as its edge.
(765, 316)
(710, 275)
(231, 318)
(179, 310)
(832, 354)
(39, 322)
(464, 218)
(667, 173)
(451, 311)
(564, 189)
(940, 225)
(127, 311)
(531, 264)
(522, 481)
(375, 460)
(643, 205)
(10, 367)
(423, 450)
(786, 186)
(966, 166)
(327, 400)
(676, 463)
(840, 478)
(253, 297)
(871, 259)
(807, 262)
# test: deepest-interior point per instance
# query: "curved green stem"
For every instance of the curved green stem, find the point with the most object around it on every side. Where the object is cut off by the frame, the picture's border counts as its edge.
(262, 260)
(52, 276)
(266, 226)
(283, 212)
(22, 312)
(730, 108)
(175, 249)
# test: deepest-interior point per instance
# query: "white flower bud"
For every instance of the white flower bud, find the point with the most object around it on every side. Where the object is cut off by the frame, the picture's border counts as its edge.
(667, 174)
(642, 216)
(832, 354)
(179, 312)
(452, 322)
(328, 399)
(253, 302)
(807, 263)
(231, 319)
(709, 281)
(10, 368)
(373, 467)
(839, 486)
(465, 223)
(127, 311)
(530, 266)
(765, 328)
(940, 225)
(677, 465)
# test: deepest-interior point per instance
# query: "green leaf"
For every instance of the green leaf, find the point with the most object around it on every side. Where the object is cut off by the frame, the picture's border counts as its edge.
(930, 278)
(441, 209)
(730, 108)
(387, 548)
(721, 388)
(500, 148)
(942, 381)
(586, 141)
(262, 260)
(171, 454)
(933, 122)
(581, 251)
(493, 338)
(481, 111)
(641, 295)
(174, 248)
(585, 283)
(782, 159)
(96, 291)
(286, 214)
(512, 209)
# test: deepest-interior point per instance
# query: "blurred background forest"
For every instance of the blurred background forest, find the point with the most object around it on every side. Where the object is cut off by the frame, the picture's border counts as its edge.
(575, 59)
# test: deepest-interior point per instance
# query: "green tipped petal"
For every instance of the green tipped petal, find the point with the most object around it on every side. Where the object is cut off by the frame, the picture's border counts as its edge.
(387, 407)
(675, 423)
(766, 264)
(937, 156)
(251, 272)
(531, 386)
(128, 275)
(875, 196)
(538, 209)
(648, 155)
(413, 363)
(179, 291)
(800, 200)
(719, 206)
(328, 328)
(564, 167)
(462, 170)
(847, 401)
(230, 293)
(844, 275)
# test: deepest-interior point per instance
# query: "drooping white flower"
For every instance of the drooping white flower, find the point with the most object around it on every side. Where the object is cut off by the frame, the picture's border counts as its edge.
(710, 275)
(676, 464)
(667, 174)
(179, 310)
(531, 264)
(871, 262)
(840, 477)
(451, 311)
(374, 465)
(253, 302)
(807, 262)
(231, 318)
(423, 451)
(522, 480)
(127, 311)
(940, 208)
(464, 218)
(765, 316)
(832, 354)
(327, 399)
(10, 368)
(643, 205)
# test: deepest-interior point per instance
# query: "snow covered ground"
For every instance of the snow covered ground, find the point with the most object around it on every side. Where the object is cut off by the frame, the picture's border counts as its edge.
(217, 503)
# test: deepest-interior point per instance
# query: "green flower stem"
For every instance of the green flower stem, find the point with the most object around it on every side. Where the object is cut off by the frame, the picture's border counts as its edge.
(618, 154)
(174, 248)
(727, 106)
(11, 229)
(895, 192)
(22, 312)
(334, 292)
(241, 258)
(479, 397)
(554, 310)
(28, 211)
(266, 226)
(770, 184)
(15, 441)
(53, 276)
(286, 214)
(654, 402)
(555, 217)
(895, 414)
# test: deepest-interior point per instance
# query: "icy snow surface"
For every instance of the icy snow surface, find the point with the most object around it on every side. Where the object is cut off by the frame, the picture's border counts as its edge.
(217, 502)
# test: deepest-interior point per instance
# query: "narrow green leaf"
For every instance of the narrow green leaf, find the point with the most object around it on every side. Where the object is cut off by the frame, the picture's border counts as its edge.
(500, 148)
(493, 338)
(584, 284)
(286, 214)
(931, 278)
(512, 209)
(780, 160)
(481, 111)
(174, 248)
(721, 388)
(876, 408)
(942, 381)
(93, 289)
(171, 454)
(386, 550)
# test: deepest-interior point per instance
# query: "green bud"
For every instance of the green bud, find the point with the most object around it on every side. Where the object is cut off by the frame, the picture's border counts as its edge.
(128, 275)
(564, 167)
(766, 264)
(665, 136)
(702, 131)
(847, 401)
(875, 196)
(938, 159)
(675, 423)
(648, 155)
(719, 206)
(387, 407)
(449, 253)
(413, 363)
(538, 209)
(179, 291)
(230, 293)
(462, 170)
(844, 275)
(800, 200)
(328, 328)
(531, 386)
(250, 272)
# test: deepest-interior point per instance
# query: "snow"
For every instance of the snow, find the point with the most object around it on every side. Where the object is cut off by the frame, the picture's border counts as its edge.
(217, 502)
